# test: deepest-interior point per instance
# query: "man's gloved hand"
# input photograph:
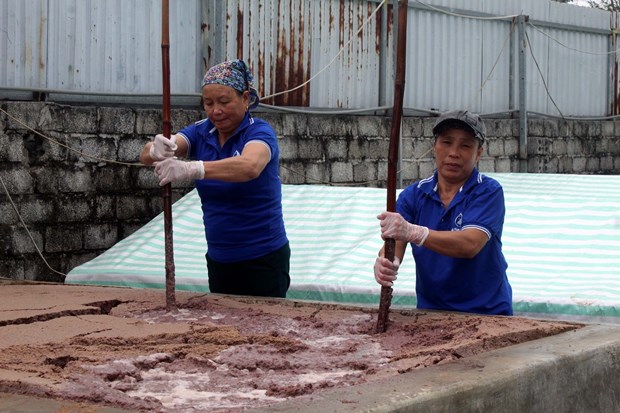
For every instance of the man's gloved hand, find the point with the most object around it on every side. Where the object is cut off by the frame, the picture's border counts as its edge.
(163, 147)
(394, 226)
(386, 271)
(173, 170)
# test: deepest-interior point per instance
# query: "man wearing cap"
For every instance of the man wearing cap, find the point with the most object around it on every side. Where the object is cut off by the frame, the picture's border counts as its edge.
(234, 162)
(453, 221)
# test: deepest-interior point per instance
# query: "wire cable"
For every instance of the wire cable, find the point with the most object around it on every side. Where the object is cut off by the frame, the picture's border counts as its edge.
(468, 16)
(611, 52)
(345, 46)
(542, 76)
(501, 52)
(67, 146)
(6, 190)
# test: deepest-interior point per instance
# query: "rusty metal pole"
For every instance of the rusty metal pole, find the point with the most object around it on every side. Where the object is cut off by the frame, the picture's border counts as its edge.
(397, 114)
(167, 189)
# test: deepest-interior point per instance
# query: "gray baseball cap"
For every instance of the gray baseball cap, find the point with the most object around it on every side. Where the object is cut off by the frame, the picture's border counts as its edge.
(471, 120)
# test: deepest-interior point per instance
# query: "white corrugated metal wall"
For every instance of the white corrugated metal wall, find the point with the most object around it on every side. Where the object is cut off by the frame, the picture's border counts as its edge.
(461, 53)
(95, 46)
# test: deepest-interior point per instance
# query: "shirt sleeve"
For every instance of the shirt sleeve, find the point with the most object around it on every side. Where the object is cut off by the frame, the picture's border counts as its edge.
(189, 133)
(264, 133)
(486, 210)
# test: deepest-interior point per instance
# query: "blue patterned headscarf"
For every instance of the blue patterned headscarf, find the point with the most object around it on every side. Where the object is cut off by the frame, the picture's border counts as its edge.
(234, 73)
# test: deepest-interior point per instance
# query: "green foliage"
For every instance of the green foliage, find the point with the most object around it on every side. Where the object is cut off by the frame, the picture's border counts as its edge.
(611, 5)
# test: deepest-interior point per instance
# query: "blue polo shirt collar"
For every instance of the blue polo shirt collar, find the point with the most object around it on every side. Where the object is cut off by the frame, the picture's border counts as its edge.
(247, 121)
(431, 190)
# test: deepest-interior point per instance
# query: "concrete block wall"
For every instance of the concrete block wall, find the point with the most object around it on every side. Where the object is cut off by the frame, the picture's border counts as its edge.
(72, 172)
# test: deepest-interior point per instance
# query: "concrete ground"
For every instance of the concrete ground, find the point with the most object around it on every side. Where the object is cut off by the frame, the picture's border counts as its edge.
(576, 371)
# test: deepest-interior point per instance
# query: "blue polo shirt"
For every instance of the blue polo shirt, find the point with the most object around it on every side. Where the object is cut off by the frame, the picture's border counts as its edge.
(243, 220)
(477, 285)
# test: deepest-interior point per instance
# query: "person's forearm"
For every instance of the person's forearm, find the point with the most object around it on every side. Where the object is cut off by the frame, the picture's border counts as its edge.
(235, 169)
(399, 250)
(145, 156)
(456, 244)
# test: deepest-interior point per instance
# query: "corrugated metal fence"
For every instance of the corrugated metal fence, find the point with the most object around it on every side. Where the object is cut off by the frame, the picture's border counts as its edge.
(485, 55)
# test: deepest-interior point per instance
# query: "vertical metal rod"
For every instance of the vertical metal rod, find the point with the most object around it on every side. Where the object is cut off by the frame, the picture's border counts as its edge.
(521, 20)
(167, 189)
(613, 66)
(397, 114)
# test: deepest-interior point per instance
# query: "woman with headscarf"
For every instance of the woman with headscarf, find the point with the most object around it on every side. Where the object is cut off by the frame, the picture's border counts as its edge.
(234, 160)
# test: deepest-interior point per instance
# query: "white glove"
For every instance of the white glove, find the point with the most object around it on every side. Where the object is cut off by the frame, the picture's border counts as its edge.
(386, 271)
(163, 147)
(394, 226)
(173, 170)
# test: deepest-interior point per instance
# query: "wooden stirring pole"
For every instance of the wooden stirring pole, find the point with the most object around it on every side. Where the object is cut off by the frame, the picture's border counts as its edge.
(167, 190)
(397, 114)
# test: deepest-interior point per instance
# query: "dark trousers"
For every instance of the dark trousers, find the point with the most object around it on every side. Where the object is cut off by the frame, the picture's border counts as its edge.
(266, 276)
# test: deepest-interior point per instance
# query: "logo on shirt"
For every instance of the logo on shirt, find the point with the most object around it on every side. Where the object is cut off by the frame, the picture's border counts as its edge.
(236, 153)
(458, 221)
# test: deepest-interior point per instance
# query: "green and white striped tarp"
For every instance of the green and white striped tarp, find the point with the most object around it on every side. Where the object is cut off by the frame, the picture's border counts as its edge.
(561, 241)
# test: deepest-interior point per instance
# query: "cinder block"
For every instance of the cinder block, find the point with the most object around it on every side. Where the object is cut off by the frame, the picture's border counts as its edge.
(311, 149)
(63, 238)
(372, 127)
(559, 146)
(412, 127)
(607, 163)
(17, 181)
(74, 207)
(426, 169)
(36, 209)
(495, 147)
(24, 115)
(132, 207)
(148, 122)
(272, 118)
(129, 148)
(12, 268)
(95, 149)
(116, 120)
(503, 165)
(336, 150)
(378, 149)
(486, 165)
(12, 148)
(359, 149)
(593, 164)
(79, 258)
(8, 216)
(145, 178)
(21, 241)
(536, 127)
(289, 147)
(594, 129)
(100, 236)
(423, 149)
(37, 270)
(607, 128)
(408, 170)
(294, 124)
(551, 166)
(341, 172)
(311, 173)
(80, 119)
(104, 207)
(75, 180)
(365, 173)
(427, 127)
(180, 118)
(112, 179)
(579, 164)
